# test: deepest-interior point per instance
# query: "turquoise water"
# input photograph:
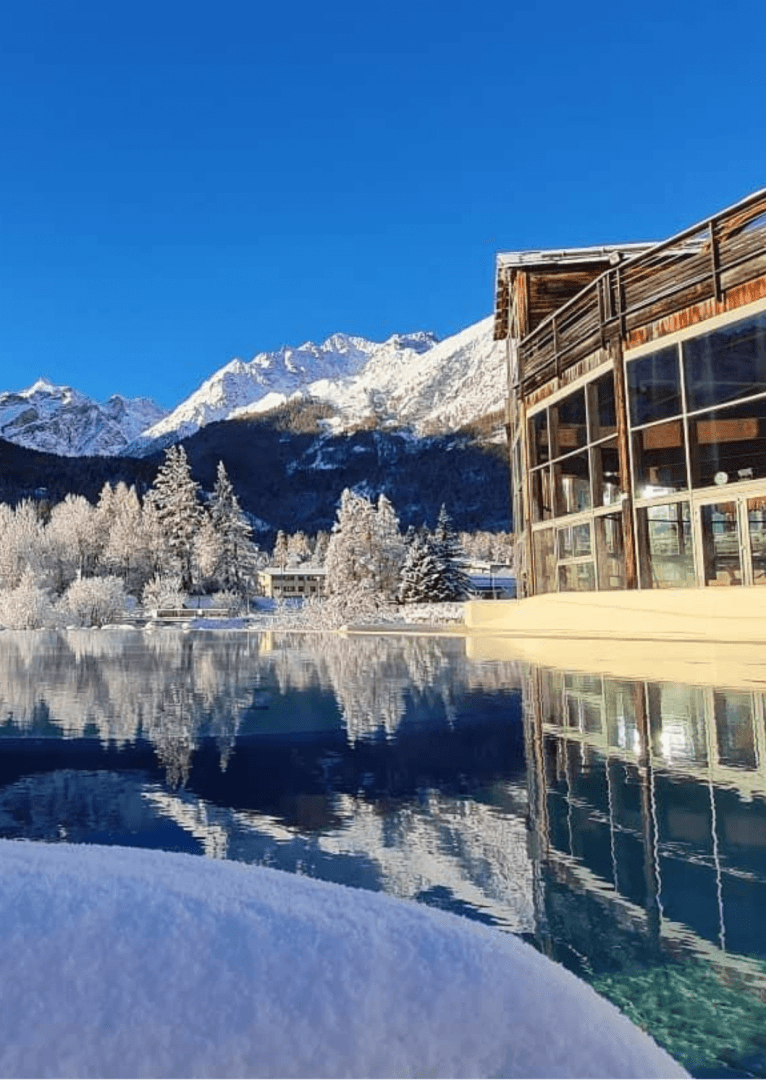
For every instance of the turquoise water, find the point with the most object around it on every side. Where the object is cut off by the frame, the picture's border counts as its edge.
(618, 826)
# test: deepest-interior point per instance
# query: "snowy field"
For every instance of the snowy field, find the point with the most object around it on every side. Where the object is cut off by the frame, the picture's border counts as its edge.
(125, 962)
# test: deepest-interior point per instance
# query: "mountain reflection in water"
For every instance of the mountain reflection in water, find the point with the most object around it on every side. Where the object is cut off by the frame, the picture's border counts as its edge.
(619, 825)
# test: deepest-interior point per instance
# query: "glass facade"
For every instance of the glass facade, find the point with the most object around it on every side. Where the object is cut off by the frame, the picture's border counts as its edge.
(696, 435)
(575, 472)
(697, 413)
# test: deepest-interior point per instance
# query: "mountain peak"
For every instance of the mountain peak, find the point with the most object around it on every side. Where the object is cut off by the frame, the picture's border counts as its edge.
(43, 386)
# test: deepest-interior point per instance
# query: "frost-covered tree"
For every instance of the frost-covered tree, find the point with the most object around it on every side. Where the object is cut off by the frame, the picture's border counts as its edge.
(163, 591)
(421, 572)
(28, 606)
(298, 547)
(366, 550)
(319, 552)
(208, 552)
(74, 540)
(21, 542)
(280, 553)
(350, 562)
(390, 549)
(237, 552)
(453, 581)
(94, 601)
(128, 548)
(173, 498)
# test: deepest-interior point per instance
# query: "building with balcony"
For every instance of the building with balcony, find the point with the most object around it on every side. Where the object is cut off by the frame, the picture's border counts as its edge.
(292, 582)
(637, 409)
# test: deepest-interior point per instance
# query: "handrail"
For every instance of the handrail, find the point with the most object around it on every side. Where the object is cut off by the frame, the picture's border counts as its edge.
(602, 304)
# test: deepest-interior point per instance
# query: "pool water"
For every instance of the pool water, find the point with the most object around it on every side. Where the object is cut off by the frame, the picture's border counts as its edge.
(618, 826)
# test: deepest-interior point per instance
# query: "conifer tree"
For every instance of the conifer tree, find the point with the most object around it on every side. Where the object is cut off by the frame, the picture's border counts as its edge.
(279, 554)
(390, 551)
(453, 582)
(173, 497)
(233, 533)
(421, 573)
(349, 561)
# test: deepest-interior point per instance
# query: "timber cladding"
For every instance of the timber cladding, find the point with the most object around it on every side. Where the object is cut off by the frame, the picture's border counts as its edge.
(550, 288)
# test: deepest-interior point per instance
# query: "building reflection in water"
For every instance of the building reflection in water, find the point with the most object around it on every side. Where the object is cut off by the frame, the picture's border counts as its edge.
(647, 807)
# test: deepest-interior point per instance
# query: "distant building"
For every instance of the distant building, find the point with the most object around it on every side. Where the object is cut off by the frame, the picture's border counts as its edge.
(292, 582)
(637, 408)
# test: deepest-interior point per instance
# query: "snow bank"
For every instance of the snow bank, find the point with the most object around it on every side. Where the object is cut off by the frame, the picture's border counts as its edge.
(125, 962)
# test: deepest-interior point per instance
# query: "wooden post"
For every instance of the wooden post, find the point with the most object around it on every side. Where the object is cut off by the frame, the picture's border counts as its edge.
(623, 449)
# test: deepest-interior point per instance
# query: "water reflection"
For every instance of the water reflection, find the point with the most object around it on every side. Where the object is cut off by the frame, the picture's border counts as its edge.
(647, 806)
(393, 765)
(618, 824)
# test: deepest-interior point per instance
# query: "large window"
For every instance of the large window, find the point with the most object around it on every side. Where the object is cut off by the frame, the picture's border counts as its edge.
(574, 460)
(654, 387)
(576, 471)
(728, 364)
(659, 460)
(665, 546)
(728, 445)
(690, 416)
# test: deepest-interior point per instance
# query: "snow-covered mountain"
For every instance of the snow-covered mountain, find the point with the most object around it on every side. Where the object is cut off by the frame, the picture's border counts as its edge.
(410, 379)
(60, 420)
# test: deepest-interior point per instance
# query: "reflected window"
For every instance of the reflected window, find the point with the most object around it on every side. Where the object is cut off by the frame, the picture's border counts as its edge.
(727, 364)
(622, 725)
(568, 426)
(610, 552)
(602, 407)
(729, 445)
(606, 473)
(659, 460)
(734, 729)
(677, 722)
(545, 560)
(572, 479)
(665, 546)
(574, 541)
(539, 443)
(654, 387)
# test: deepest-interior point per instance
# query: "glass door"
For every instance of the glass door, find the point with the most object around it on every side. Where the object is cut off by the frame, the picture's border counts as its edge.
(756, 536)
(732, 535)
(722, 562)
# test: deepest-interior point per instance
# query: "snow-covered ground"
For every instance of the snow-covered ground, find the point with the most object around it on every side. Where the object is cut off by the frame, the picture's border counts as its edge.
(125, 962)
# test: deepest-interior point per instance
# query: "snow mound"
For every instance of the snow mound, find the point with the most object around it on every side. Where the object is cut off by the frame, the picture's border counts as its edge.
(124, 962)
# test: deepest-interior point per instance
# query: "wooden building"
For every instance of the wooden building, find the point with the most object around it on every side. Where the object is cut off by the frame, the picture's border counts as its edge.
(637, 408)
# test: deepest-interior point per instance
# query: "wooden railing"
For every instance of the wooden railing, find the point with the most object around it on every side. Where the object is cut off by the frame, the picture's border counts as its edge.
(699, 264)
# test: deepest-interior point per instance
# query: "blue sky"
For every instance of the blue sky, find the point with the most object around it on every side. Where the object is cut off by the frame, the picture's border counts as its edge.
(182, 183)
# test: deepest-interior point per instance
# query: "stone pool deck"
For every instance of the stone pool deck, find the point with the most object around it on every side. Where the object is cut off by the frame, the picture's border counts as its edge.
(710, 636)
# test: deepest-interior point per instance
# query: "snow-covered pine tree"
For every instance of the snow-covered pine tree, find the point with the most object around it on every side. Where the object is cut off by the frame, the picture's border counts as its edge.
(350, 562)
(173, 498)
(298, 547)
(390, 550)
(454, 583)
(279, 554)
(421, 573)
(234, 534)
(318, 555)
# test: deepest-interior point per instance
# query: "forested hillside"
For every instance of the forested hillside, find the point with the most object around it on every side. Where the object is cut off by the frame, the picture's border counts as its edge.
(293, 480)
